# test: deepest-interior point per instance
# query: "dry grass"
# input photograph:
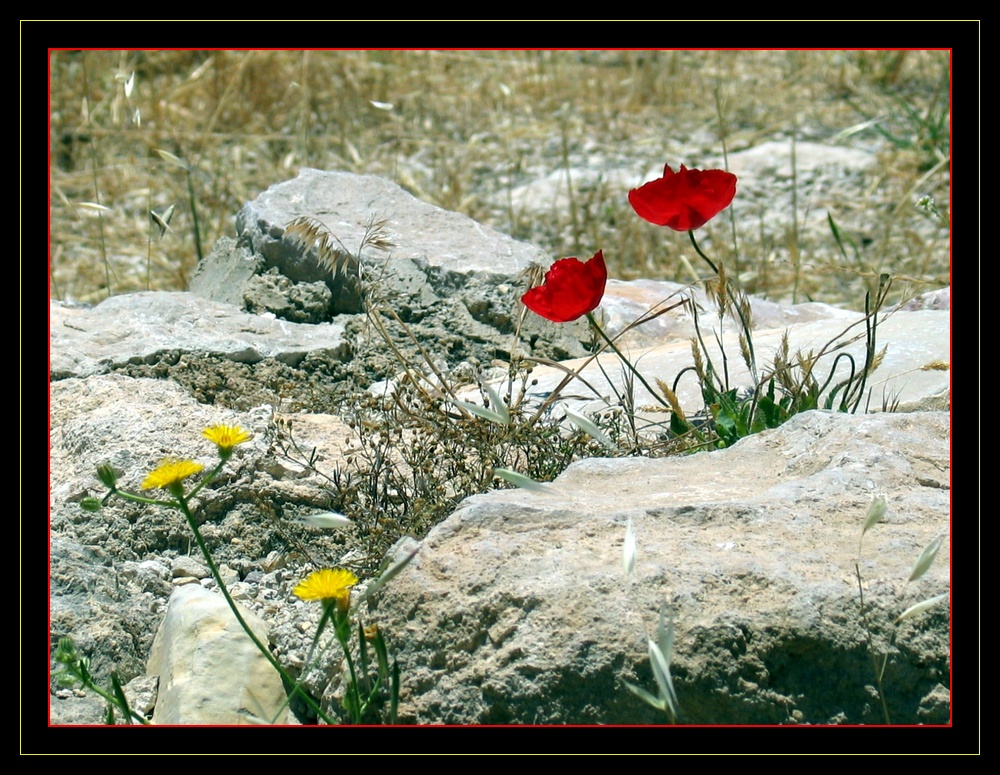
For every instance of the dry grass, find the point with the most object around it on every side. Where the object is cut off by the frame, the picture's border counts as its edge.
(464, 129)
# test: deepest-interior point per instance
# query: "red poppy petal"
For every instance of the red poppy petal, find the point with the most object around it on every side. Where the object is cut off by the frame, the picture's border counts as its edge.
(572, 288)
(684, 200)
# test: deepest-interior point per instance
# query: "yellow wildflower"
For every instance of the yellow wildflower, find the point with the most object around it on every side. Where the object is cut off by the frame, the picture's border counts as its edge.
(328, 585)
(170, 473)
(227, 436)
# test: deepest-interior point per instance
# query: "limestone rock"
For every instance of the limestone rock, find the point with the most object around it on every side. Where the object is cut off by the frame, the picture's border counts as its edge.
(453, 282)
(152, 326)
(450, 243)
(516, 609)
(210, 671)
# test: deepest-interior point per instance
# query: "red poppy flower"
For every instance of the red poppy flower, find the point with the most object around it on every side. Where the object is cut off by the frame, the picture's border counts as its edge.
(684, 200)
(572, 288)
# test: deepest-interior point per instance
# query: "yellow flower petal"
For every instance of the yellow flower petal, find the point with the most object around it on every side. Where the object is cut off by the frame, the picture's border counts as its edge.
(226, 436)
(326, 584)
(169, 472)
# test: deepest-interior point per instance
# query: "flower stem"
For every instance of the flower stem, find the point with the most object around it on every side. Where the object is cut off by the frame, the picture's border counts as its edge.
(697, 250)
(744, 322)
(232, 606)
(88, 683)
(355, 690)
(621, 356)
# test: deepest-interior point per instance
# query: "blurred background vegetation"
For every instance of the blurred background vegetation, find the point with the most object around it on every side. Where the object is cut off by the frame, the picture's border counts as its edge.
(466, 130)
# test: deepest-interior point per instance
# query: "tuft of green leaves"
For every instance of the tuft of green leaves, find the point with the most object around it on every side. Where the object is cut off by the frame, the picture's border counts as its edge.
(75, 671)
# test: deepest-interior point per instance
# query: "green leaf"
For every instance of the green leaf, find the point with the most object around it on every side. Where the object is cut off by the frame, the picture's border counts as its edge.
(660, 654)
(353, 712)
(362, 654)
(382, 654)
(771, 412)
(116, 688)
(387, 576)
(725, 426)
(589, 427)
(499, 407)
(838, 238)
(482, 411)
(646, 697)
(329, 520)
(678, 426)
(522, 481)
(394, 693)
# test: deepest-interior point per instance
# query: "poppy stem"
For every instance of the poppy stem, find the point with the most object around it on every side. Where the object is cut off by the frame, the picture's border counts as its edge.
(621, 356)
(698, 251)
(742, 314)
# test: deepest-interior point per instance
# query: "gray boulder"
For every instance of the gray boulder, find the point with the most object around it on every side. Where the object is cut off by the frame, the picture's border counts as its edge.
(517, 608)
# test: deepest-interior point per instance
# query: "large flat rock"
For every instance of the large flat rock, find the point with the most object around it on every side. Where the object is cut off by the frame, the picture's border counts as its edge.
(517, 608)
(147, 327)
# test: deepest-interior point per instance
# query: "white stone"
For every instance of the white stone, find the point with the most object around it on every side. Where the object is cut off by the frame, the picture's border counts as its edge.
(210, 671)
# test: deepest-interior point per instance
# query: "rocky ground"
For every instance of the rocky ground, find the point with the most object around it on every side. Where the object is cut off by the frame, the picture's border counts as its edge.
(139, 377)
(516, 608)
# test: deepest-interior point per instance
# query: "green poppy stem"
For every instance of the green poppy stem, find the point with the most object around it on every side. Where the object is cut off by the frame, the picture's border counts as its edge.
(621, 356)
(744, 322)
(697, 250)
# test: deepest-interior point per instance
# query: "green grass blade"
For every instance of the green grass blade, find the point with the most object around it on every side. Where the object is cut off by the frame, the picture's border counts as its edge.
(522, 481)
(646, 697)
(482, 411)
(589, 427)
